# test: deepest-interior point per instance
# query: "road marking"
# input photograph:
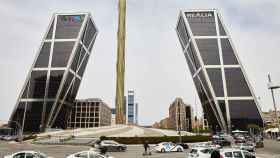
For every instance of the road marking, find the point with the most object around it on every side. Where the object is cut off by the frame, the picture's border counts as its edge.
(267, 156)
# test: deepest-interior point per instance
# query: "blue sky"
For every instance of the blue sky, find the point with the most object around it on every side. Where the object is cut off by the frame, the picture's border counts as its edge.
(155, 65)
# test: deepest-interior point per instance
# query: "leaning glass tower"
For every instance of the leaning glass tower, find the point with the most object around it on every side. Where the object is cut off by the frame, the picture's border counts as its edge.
(55, 76)
(226, 96)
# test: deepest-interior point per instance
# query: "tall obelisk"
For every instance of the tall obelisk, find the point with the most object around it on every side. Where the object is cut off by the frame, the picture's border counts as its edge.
(120, 116)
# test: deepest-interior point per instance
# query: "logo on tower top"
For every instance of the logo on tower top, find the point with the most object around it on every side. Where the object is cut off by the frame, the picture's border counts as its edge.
(199, 14)
(72, 18)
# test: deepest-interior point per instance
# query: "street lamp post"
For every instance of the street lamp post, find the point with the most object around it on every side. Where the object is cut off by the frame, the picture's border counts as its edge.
(271, 86)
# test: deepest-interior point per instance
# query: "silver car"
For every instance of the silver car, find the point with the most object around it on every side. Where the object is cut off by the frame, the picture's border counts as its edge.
(27, 154)
(236, 153)
(246, 146)
(88, 154)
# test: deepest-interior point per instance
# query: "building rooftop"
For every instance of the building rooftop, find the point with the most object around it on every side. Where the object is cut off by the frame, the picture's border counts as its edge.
(89, 100)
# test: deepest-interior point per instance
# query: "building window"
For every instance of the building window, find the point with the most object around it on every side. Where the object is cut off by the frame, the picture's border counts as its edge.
(215, 76)
(43, 58)
(182, 32)
(54, 82)
(61, 53)
(37, 84)
(228, 53)
(209, 51)
(236, 83)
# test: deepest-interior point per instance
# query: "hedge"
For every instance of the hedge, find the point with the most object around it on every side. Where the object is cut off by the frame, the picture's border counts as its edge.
(156, 140)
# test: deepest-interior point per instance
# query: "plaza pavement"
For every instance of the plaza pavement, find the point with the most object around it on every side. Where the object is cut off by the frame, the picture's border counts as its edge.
(114, 131)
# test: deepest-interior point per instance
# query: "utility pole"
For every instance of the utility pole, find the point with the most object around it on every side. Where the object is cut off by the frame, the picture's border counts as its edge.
(272, 87)
(120, 117)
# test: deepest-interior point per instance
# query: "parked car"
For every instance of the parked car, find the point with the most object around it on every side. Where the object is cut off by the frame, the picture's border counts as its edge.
(278, 138)
(232, 152)
(239, 139)
(246, 146)
(88, 154)
(111, 145)
(27, 154)
(259, 144)
(208, 145)
(211, 145)
(168, 147)
(200, 152)
(215, 137)
(259, 138)
(9, 138)
(222, 142)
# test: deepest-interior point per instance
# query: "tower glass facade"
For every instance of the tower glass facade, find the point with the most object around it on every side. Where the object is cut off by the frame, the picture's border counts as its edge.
(55, 76)
(226, 96)
(130, 108)
(136, 113)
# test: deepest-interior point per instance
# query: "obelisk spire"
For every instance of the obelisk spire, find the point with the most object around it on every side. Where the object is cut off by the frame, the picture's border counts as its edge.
(120, 116)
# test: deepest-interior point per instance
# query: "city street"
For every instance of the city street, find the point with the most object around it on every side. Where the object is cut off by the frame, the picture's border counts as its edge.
(271, 150)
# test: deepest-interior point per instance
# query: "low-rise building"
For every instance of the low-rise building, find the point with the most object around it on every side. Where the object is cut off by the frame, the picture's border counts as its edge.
(88, 113)
(156, 125)
(180, 117)
(269, 117)
(2, 123)
(164, 124)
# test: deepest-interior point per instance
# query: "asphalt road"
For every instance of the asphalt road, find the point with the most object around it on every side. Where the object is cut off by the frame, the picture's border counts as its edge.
(271, 150)
(272, 147)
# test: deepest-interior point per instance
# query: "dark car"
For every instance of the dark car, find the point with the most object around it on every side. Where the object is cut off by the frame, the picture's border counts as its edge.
(259, 144)
(184, 145)
(110, 145)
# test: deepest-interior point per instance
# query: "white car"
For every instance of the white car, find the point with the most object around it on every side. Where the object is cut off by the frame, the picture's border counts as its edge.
(88, 154)
(200, 152)
(208, 145)
(27, 154)
(278, 138)
(168, 147)
(246, 146)
(236, 153)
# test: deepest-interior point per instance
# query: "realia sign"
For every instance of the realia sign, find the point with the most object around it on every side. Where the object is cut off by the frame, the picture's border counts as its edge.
(199, 15)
